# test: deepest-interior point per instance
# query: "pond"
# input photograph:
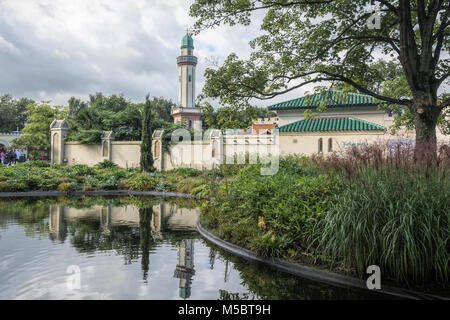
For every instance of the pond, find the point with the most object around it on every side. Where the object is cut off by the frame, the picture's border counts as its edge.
(130, 248)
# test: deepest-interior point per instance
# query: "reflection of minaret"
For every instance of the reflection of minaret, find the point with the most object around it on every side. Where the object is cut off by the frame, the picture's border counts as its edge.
(57, 228)
(185, 267)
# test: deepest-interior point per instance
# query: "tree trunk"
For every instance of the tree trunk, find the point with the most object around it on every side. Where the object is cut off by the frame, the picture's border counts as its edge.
(425, 120)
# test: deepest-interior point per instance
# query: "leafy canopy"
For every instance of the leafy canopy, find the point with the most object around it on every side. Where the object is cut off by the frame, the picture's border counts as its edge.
(311, 41)
(36, 134)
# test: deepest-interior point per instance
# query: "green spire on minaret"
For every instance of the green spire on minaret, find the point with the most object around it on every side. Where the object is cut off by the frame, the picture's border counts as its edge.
(187, 41)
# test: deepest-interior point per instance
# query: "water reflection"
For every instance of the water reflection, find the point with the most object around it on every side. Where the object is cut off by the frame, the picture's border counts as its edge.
(130, 250)
(185, 266)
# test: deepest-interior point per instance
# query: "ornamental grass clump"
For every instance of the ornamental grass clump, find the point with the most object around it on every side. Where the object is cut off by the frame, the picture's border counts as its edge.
(393, 211)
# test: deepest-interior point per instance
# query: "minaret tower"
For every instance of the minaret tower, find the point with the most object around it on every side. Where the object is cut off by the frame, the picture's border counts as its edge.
(186, 109)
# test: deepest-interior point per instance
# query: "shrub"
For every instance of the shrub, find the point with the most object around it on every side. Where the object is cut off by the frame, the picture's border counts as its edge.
(3, 186)
(290, 203)
(35, 163)
(81, 170)
(188, 172)
(143, 183)
(111, 183)
(91, 182)
(106, 164)
(164, 186)
(87, 136)
(30, 183)
(65, 187)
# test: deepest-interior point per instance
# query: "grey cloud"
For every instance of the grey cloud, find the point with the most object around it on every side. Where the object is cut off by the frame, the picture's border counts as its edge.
(43, 65)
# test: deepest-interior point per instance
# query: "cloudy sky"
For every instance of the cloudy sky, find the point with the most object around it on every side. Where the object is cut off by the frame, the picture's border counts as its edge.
(55, 49)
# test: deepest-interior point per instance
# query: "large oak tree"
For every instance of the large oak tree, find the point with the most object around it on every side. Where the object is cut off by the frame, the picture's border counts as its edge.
(310, 41)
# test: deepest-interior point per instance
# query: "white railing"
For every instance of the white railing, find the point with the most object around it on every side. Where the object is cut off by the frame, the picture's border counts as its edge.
(11, 134)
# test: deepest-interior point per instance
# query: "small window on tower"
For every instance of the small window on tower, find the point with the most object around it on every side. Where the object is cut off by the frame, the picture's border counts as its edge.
(190, 78)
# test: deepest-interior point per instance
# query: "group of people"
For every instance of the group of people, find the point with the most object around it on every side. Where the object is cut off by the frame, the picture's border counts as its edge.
(9, 157)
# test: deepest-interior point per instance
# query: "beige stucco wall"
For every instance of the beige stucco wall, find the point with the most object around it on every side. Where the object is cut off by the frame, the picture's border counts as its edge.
(77, 153)
(308, 144)
(125, 154)
(200, 155)
(197, 155)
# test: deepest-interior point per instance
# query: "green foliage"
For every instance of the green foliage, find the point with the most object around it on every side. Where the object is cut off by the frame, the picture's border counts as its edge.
(36, 134)
(110, 183)
(13, 113)
(396, 219)
(143, 183)
(36, 163)
(271, 214)
(232, 117)
(309, 42)
(65, 187)
(84, 170)
(188, 172)
(114, 113)
(164, 186)
(88, 136)
(39, 175)
(344, 212)
(106, 164)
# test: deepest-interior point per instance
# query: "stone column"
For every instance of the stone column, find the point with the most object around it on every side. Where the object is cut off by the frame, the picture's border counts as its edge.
(216, 140)
(58, 132)
(157, 150)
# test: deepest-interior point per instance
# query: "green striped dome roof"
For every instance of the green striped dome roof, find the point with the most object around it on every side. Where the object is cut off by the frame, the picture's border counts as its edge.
(187, 42)
(334, 98)
(331, 124)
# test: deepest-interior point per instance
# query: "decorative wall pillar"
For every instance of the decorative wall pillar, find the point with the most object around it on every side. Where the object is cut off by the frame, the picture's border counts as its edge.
(107, 138)
(157, 150)
(216, 140)
(58, 132)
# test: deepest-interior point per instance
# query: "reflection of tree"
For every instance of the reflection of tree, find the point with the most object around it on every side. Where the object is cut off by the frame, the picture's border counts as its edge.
(145, 218)
(31, 218)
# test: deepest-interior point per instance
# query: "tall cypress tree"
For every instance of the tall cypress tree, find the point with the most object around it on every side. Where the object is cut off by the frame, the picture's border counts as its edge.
(146, 144)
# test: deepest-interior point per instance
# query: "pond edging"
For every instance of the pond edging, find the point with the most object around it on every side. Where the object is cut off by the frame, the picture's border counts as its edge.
(95, 193)
(311, 273)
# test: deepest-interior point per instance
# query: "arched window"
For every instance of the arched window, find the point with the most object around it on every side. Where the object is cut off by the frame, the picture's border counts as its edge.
(320, 145)
(213, 149)
(330, 145)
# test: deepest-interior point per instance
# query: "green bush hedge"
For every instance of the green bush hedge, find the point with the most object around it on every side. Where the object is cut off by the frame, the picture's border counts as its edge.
(344, 214)
(271, 214)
